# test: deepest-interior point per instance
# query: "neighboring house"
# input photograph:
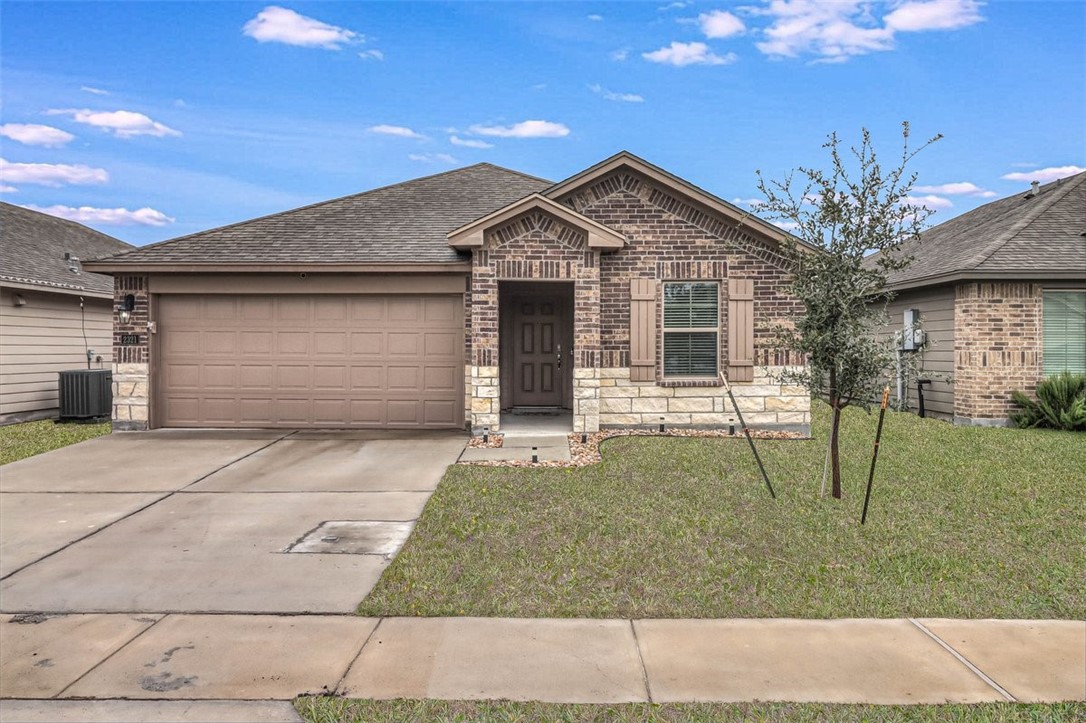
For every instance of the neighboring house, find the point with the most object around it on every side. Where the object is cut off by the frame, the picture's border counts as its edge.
(618, 296)
(1001, 292)
(53, 314)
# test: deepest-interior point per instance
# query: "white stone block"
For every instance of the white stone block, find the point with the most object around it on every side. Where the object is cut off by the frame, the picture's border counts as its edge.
(586, 373)
(714, 419)
(624, 420)
(757, 418)
(787, 404)
(586, 406)
(615, 405)
(690, 404)
(648, 404)
(614, 373)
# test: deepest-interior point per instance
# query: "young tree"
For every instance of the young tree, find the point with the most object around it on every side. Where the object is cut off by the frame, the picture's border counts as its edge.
(857, 215)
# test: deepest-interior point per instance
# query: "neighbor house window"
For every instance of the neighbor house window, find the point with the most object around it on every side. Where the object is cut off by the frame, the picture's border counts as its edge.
(1064, 332)
(691, 329)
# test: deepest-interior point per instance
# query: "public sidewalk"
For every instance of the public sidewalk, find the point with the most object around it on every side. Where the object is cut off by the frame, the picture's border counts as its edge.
(258, 659)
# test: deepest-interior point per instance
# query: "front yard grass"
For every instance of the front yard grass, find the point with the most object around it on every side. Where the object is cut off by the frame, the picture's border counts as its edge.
(19, 441)
(342, 710)
(964, 523)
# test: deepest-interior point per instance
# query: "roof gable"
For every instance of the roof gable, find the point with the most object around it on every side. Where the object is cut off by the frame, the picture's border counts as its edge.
(701, 197)
(34, 248)
(599, 236)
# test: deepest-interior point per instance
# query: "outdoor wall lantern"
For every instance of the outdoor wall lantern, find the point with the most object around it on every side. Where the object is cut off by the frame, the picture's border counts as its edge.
(127, 307)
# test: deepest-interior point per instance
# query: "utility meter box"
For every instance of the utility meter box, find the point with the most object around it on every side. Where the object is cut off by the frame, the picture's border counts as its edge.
(913, 337)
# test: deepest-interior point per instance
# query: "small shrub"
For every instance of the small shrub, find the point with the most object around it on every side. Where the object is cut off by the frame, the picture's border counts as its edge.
(1061, 404)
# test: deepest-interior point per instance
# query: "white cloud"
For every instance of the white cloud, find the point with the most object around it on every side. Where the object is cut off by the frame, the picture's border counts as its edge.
(93, 91)
(720, 24)
(372, 54)
(8, 189)
(595, 17)
(539, 86)
(619, 55)
(400, 131)
(32, 134)
(617, 97)
(682, 54)
(934, 15)
(524, 129)
(469, 142)
(747, 201)
(431, 157)
(122, 123)
(1045, 175)
(961, 188)
(107, 216)
(672, 6)
(51, 174)
(931, 201)
(837, 31)
(279, 25)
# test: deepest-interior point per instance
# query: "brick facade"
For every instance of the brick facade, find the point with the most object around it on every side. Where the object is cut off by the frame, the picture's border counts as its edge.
(997, 348)
(668, 238)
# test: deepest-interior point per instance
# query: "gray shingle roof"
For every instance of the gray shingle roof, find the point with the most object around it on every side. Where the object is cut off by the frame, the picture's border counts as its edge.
(402, 223)
(34, 244)
(1022, 235)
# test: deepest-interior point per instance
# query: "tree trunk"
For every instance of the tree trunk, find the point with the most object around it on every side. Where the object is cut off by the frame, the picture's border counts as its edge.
(835, 452)
(835, 449)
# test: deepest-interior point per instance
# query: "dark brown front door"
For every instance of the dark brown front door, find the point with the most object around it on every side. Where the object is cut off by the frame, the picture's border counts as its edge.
(538, 347)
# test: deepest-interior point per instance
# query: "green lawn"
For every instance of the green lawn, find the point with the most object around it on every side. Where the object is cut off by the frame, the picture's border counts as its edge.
(19, 441)
(964, 523)
(341, 710)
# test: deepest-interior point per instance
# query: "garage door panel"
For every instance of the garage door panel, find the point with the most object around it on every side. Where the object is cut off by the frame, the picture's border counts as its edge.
(401, 309)
(255, 411)
(368, 378)
(439, 379)
(330, 343)
(324, 361)
(403, 344)
(254, 377)
(330, 378)
(257, 343)
(220, 343)
(257, 309)
(182, 376)
(220, 376)
(403, 378)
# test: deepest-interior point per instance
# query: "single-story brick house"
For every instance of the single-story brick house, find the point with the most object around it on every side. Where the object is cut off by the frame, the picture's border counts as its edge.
(618, 296)
(1001, 292)
(54, 315)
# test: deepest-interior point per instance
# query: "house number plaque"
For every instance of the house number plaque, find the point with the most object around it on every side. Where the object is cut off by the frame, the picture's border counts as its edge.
(130, 339)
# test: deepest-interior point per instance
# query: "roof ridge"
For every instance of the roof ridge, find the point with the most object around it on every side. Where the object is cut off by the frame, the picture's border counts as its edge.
(1004, 238)
(308, 206)
(81, 227)
(529, 176)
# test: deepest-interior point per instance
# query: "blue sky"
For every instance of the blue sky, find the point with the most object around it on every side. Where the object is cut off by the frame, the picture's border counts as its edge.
(153, 120)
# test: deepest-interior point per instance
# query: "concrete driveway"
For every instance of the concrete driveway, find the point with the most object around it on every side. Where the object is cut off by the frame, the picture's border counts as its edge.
(204, 521)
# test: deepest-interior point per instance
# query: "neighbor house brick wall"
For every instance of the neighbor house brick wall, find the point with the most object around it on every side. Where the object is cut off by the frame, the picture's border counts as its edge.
(997, 348)
(131, 362)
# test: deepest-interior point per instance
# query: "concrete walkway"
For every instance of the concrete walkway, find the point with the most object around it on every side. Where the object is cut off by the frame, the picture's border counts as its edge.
(52, 664)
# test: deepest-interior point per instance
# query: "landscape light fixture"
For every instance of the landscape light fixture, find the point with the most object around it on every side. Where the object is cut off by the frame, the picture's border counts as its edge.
(126, 308)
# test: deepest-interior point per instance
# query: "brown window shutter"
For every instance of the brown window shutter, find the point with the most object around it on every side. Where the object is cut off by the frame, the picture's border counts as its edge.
(643, 330)
(741, 330)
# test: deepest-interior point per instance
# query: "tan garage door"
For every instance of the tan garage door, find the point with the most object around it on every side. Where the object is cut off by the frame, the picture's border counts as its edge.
(310, 361)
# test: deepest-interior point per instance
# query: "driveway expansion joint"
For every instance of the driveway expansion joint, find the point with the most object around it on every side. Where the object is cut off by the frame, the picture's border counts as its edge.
(339, 683)
(964, 661)
(641, 659)
(106, 659)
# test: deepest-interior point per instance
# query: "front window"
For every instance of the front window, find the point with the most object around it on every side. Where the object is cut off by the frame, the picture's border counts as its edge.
(691, 329)
(1064, 332)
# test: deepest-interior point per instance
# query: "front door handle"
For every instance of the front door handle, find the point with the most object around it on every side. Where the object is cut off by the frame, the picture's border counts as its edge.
(559, 356)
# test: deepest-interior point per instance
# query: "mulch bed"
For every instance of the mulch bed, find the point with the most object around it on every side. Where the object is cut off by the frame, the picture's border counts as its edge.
(583, 454)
